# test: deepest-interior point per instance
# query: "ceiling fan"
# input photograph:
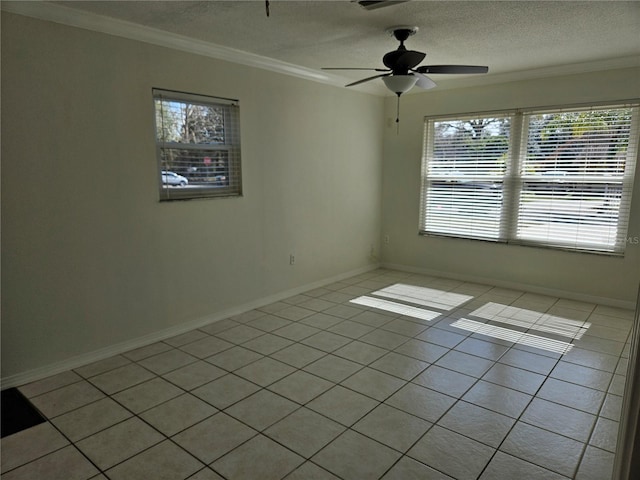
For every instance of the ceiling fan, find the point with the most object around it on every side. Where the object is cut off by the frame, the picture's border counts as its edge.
(402, 72)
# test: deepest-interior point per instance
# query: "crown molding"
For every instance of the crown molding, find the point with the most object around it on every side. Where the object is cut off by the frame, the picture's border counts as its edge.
(49, 11)
(545, 72)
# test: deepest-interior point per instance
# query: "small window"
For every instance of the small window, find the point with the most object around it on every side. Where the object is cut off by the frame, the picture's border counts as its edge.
(198, 146)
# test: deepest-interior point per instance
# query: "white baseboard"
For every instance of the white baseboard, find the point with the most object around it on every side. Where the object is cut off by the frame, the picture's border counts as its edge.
(612, 302)
(90, 357)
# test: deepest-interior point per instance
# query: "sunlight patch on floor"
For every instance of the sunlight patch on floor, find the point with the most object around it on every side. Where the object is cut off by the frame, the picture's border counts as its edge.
(428, 297)
(530, 319)
(514, 336)
(395, 307)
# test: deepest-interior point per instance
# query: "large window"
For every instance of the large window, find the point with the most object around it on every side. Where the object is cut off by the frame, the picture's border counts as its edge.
(559, 178)
(198, 144)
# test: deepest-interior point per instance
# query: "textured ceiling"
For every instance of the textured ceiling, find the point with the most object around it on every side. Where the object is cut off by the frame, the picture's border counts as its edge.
(508, 36)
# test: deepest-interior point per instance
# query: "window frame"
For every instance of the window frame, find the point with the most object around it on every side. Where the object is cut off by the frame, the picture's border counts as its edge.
(514, 178)
(231, 145)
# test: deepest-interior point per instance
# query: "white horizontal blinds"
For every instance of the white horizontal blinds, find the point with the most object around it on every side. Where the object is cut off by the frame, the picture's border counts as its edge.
(464, 166)
(577, 175)
(198, 138)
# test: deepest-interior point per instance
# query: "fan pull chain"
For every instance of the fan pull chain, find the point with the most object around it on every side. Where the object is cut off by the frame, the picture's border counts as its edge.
(398, 116)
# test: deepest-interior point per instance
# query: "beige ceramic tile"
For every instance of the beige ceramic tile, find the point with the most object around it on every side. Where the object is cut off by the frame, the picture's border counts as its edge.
(262, 409)
(121, 378)
(296, 331)
(185, 338)
(102, 366)
(498, 398)
(400, 366)
(178, 414)
(268, 323)
(305, 432)
(443, 449)
(298, 355)
(383, 339)
(504, 466)
(65, 464)
(605, 435)
(425, 351)
(360, 352)
(421, 402)
(392, 427)
(194, 375)
(477, 423)
(205, 347)
(118, 443)
(514, 378)
(167, 361)
(260, 458)
(225, 391)
(147, 395)
(206, 474)
(464, 363)
(351, 329)
(373, 383)
(50, 383)
(596, 464)
(234, 358)
(541, 447)
(353, 455)
(445, 381)
(90, 419)
(310, 471)
(409, 469)
(572, 395)
(557, 418)
(343, 405)
(30, 444)
(165, 460)
(213, 437)
(65, 399)
(333, 368)
(147, 351)
(301, 387)
(267, 344)
(265, 371)
(326, 341)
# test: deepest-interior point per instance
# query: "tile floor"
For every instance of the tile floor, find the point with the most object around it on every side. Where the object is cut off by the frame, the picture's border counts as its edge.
(384, 375)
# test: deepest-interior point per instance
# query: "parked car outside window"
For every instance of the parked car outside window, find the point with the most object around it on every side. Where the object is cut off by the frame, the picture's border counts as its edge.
(172, 178)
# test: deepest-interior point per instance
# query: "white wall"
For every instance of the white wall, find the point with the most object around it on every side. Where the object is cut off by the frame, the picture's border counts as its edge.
(91, 259)
(577, 274)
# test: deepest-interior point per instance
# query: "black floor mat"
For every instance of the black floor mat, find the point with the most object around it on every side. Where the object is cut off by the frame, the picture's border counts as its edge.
(17, 412)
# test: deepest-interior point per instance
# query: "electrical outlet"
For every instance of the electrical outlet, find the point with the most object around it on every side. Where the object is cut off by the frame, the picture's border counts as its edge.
(292, 259)
(386, 239)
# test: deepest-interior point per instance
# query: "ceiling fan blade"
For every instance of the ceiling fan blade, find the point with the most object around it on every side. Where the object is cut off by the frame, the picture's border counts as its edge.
(367, 79)
(357, 68)
(452, 69)
(424, 81)
(402, 60)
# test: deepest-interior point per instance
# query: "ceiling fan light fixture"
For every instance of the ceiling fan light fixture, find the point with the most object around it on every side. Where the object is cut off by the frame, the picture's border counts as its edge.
(400, 84)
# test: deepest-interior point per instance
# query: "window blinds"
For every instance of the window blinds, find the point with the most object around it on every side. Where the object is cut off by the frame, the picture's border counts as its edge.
(198, 138)
(463, 175)
(556, 177)
(577, 176)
